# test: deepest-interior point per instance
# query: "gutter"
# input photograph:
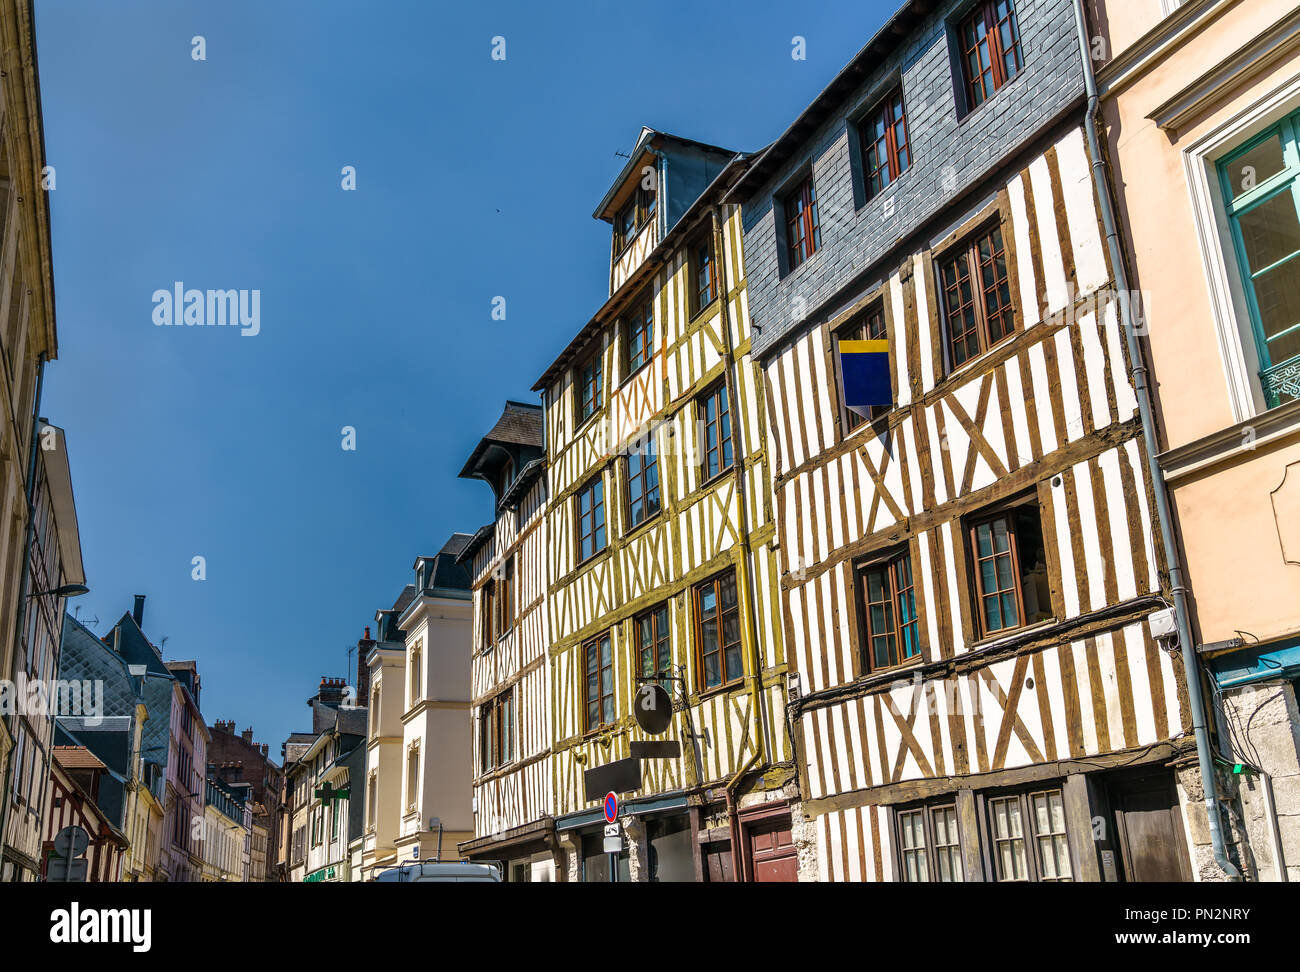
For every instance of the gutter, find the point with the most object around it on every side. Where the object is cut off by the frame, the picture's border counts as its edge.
(1191, 671)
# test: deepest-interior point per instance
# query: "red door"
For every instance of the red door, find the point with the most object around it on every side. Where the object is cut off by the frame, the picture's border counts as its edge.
(771, 848)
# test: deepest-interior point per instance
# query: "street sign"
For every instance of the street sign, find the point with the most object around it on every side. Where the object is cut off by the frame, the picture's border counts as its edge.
(71, 842)
(620, 776)
(613, 845)
(613, 830)
(611, 808)
(653, 708)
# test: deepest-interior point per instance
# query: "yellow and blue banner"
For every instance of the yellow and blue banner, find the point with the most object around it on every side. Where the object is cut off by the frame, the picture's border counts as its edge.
(864, 367)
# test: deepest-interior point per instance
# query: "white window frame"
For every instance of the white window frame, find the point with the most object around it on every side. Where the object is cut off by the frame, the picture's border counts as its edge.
(1232, 319)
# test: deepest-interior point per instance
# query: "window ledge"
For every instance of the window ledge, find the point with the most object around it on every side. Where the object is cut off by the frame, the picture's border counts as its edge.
(1009, 635)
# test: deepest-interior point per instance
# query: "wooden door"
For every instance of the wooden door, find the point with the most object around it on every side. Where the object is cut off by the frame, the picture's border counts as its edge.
(771, 848)
(1149, 828)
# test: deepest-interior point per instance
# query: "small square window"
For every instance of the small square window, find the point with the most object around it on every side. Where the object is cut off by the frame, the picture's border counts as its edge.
(803, 233)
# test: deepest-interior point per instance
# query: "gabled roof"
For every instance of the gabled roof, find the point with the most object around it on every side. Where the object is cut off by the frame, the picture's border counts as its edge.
(649, 138)
(520, 424)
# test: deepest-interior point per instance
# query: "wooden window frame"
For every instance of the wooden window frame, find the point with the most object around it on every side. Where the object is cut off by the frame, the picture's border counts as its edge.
(966, 257)
(927, 810)
(892, 158)
(639, 320)
(862, 326)
(702, 297)
(496, 745)
(661, 643)
(489, 613)
(588, 405)
(596, 482)
(1030, 835)
(719, 620)
(888, 565)
(984, 14)
(503, 595)
(802, 222)
(725, 440)
(644, 451)
(1003, 511)
(603, 645)
(642, 204)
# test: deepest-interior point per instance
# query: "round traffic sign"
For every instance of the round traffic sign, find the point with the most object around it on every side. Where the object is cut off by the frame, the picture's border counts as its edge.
(611, 807)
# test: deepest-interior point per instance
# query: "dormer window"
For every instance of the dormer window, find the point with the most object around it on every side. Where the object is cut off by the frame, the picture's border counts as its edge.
(507, 475)
(638, 211)
(704, 278)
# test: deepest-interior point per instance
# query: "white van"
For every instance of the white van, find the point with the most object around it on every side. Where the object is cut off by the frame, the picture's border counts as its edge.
(454, 871)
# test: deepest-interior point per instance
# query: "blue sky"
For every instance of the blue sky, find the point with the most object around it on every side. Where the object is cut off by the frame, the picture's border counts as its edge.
(475, 178)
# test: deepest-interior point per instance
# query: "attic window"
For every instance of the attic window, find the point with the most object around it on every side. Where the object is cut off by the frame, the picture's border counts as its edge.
(638, 211)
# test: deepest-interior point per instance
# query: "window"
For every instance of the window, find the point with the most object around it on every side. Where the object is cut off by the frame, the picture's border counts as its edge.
(591, 519)
(638, 211)
(642, 480)
(589, 390)
(929, 844)
(892, 632)
(1029, 837)
(374, 710)
(496, 731)
(717, 431)
(507, 475)
(334, 820)
(504, 597)
(652, 639)
(416, 675)
(489, 613)
(1010, 567)
(803, 233)
(868, 326)
(704, 283)
(412, 776)
(639, 333)
(717, 631)
(886, 154)
(372, 797)
(1261, 183)
(598, 685)
(990, 49)
(976, 298)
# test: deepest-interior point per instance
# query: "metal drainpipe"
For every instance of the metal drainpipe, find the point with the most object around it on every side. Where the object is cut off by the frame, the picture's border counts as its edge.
(22, 584)
(1191, 670)
(756, 700)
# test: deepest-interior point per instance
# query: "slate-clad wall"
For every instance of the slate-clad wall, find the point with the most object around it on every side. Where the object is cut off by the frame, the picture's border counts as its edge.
(950, 154)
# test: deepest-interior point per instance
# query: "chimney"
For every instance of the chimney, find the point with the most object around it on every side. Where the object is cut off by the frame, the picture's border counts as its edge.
(264, 750)
(331, 691)
(247, 735)
(138, 611)
(363, 670)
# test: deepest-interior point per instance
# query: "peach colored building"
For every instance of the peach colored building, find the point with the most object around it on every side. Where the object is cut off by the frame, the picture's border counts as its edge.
(1200, 114)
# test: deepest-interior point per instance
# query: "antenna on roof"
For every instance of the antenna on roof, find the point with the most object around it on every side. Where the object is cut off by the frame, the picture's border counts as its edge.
(623, 155)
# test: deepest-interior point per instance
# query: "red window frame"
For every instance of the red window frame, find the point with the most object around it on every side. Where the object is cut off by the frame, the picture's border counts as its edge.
(991, 54)
(802, 226)
(886, 151)
(978, 309)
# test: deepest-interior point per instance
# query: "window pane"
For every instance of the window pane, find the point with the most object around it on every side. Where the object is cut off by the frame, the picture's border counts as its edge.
(1049, 827)
(947, 846)
(1277, 293)
(1008, 839)
(1257, 165)
(1270, 231)
(911, 835)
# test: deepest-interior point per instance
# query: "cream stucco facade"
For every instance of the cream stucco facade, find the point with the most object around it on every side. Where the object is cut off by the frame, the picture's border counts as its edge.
(1200, 103)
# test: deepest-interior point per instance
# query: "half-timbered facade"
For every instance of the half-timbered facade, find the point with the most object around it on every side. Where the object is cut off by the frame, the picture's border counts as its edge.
(660, 560)
(510, 686)
(968, 573)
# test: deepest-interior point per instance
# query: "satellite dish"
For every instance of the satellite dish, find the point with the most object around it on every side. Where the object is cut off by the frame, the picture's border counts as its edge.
(653, 708)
